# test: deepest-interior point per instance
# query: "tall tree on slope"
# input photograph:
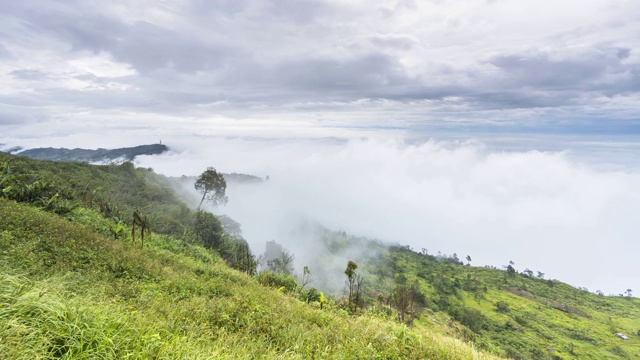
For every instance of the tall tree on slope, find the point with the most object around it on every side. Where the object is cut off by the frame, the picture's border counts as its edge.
(212, 186)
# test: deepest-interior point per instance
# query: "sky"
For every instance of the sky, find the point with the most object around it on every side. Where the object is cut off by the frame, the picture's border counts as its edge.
(506, 129)
(520, 65)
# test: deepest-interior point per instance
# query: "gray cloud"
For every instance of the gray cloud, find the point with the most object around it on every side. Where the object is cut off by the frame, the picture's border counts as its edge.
(27, 74)
(275, 56)
(4, 53)
(585, 71)
(19, 115)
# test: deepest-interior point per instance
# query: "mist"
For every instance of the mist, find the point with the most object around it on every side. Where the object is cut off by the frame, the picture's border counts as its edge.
(544, 210)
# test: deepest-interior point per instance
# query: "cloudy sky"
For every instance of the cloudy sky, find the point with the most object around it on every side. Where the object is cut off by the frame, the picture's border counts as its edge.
(247, 66)
(502, 129)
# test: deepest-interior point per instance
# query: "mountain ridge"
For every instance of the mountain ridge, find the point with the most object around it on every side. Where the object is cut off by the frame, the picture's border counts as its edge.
(90, 155)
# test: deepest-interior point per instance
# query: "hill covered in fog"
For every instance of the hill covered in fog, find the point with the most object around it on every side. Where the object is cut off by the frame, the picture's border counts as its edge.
(78, 282)
(89, 155)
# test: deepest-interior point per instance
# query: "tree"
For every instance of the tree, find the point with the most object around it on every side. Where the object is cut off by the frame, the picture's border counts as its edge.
(355, 285)
(528, 273)
(212, 186)
(405, 299)
(628, 292)
(209, 229)
(313, 295)
(468, 260)
(306, 277)
(277, 258)
(540, 275)
(244, 260)
(143, 223)
(283, 264)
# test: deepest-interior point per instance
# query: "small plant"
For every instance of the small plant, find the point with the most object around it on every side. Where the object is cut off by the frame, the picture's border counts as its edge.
(143, 223)
(502, 307)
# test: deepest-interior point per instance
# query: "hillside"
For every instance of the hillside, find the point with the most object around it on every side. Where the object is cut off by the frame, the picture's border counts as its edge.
(515, 314)
(98, 155)
(75, 285)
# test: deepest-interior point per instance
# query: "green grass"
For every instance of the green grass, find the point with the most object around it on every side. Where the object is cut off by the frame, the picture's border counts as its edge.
(69, 292)
(539, 313)
(71, 288)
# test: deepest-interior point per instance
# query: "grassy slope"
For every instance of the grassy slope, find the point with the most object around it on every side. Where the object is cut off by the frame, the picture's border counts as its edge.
(202, 307)
(541, 313)
(68, 292)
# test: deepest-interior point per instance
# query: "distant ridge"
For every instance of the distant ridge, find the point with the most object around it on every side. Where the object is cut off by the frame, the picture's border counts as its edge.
(98, 155)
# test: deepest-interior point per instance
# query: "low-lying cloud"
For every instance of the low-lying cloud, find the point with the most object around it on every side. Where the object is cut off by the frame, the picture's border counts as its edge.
(544, 210)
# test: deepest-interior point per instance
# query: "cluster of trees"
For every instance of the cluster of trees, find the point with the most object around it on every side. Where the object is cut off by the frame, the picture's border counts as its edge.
(277, 270)
(134, 199)
(225, 238)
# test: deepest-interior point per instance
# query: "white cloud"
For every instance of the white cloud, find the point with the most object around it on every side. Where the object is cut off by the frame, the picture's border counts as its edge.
(543, 210)
(204, 75)
(259, 57)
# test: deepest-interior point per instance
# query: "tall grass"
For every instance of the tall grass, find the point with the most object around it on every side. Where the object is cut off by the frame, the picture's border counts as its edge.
(68, 292)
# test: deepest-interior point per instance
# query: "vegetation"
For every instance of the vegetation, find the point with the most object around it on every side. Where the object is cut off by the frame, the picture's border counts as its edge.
(212, 186)
(505, 312)
(102, 155)
(74, 284)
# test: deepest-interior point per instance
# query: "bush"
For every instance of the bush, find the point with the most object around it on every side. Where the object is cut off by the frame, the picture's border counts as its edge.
(209, 229)
(277, 280)
(502, 307)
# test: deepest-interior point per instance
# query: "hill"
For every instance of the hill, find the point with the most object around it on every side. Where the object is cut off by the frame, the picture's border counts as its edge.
(511, 313)
(98, 155)
(76, 284)
(66, 246)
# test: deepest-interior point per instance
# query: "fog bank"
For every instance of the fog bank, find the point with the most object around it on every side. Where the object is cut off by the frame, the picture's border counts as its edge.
(543, 210)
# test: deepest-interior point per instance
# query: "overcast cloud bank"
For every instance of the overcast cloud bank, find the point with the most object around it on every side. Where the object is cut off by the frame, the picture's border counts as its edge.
(540, 209)
(515, 63)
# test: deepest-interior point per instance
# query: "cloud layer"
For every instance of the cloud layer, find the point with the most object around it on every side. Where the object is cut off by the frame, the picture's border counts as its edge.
(543, 210)
(227, 82)
(380, 62)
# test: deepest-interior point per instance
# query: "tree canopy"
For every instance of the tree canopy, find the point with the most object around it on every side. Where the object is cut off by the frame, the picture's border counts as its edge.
(212, 186)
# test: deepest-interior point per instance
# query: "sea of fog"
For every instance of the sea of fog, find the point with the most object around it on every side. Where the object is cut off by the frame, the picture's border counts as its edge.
(566, 206)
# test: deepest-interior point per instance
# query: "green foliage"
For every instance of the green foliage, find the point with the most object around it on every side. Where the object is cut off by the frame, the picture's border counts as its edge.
(510, 314)
(279, 280)
(471, 318)
(178, 299)
(209, 229)
(212, 186)
(355, 287)
(234, 250)
(502, 307)
(83, 295)
(313, 295)
(116, 190)
(63, 154)
(407, 301)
